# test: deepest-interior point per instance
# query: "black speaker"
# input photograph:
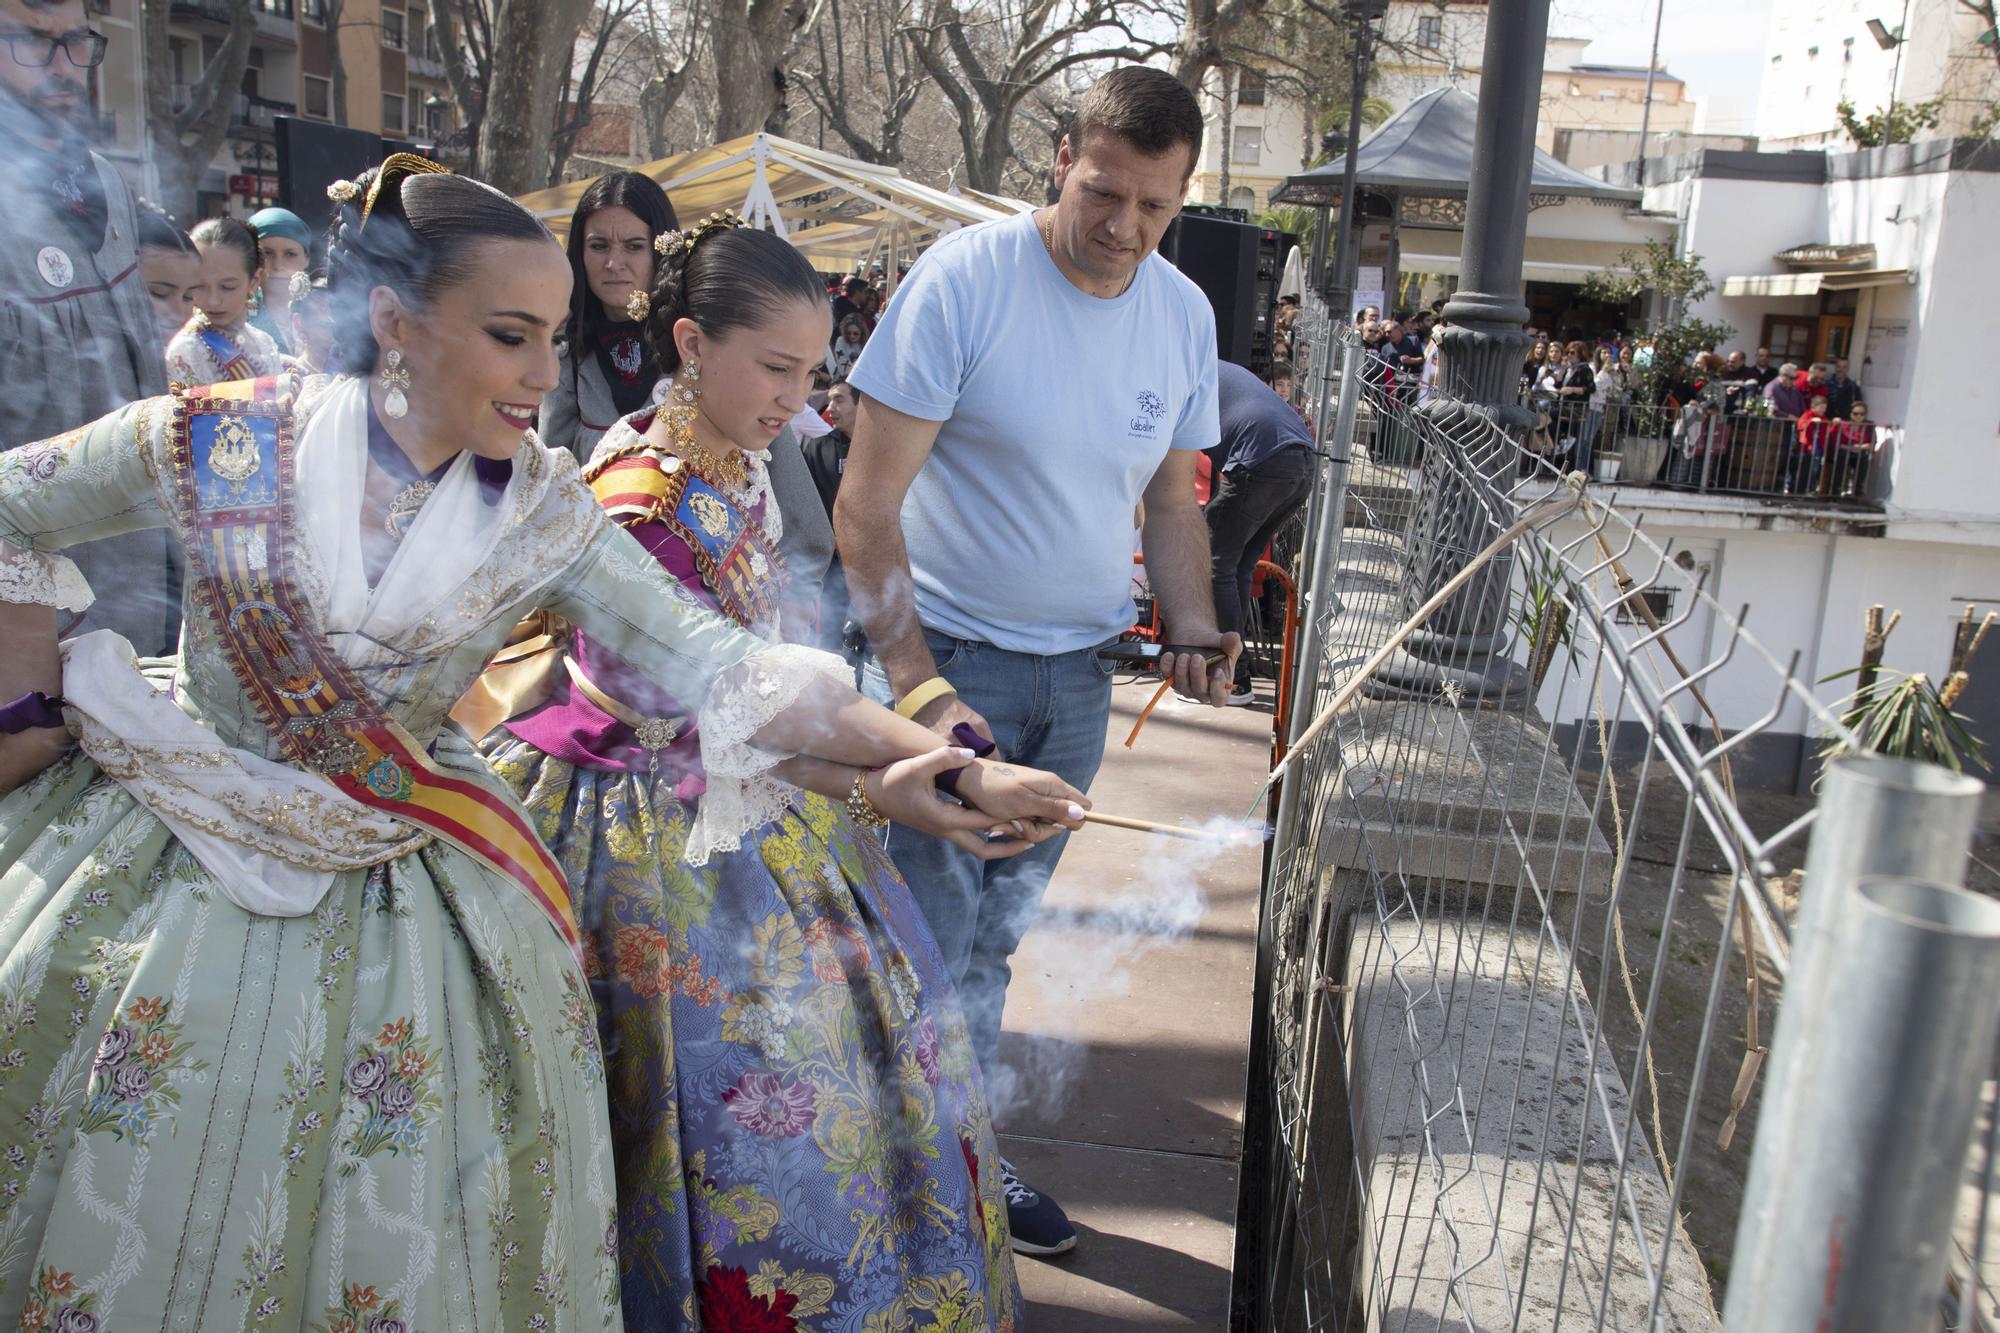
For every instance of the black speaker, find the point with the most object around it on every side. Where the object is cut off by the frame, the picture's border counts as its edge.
(1238, 267)
(313, 155)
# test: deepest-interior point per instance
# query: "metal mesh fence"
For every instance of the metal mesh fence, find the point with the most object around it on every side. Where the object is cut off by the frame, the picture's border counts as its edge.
(1524, 931)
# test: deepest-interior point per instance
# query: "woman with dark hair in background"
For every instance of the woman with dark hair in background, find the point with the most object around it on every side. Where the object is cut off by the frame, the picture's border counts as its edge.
(220, 343)
(608, 372)
(794, 1099)
(314, 1046)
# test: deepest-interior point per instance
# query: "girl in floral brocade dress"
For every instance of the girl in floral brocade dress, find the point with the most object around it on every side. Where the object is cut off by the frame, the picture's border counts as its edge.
(801, 1137)
(292, 1030)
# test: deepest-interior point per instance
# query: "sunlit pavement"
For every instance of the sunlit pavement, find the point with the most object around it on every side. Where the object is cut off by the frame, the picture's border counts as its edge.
(1128, 1026)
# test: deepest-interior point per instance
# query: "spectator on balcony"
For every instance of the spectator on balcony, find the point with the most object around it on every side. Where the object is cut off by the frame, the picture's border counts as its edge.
(1813, 380)
(1763, 369)
(82, 338)
(284, 244)
(1811, 452)
(1607, 388)
(1851, 449)
(1842, 393)
(1574, 383)
(1783, 393)
(1533, 368)
(1740, 382)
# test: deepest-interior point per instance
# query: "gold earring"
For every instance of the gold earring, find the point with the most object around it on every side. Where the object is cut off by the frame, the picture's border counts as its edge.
(687, 384)
(638, 305)
(395, 380)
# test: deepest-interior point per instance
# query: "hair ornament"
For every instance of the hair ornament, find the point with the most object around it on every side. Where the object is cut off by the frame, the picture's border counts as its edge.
(683, 242)
(396, 167)
(343, 191)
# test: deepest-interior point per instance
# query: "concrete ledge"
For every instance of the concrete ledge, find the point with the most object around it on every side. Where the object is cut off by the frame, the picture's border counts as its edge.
(1492, 1178)
(1466, 796)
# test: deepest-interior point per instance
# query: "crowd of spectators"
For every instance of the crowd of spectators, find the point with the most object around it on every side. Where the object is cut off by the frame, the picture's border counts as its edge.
(1715, 409)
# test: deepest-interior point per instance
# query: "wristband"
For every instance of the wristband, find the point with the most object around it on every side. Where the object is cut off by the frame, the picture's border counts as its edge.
(916, 700)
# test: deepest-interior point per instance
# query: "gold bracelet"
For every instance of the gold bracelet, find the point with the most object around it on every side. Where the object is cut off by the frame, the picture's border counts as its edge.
(862, 810)
(918, 699)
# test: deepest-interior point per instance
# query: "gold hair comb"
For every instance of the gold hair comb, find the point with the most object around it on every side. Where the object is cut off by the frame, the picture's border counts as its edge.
(397, 165)
(671, 243)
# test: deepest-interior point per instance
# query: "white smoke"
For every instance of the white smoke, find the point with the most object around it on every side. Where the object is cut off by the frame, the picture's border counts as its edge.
(1089, 954)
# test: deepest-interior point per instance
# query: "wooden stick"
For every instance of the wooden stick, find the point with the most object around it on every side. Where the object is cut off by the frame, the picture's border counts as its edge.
(1227, 836)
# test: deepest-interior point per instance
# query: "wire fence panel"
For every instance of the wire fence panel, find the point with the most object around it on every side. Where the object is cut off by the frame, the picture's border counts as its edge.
(1524, 936)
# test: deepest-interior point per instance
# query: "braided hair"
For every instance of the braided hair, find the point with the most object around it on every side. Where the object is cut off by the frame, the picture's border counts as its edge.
(417, 240)
(726, 279)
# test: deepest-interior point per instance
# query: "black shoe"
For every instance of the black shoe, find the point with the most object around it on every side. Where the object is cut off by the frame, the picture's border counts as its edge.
(1036, 1222)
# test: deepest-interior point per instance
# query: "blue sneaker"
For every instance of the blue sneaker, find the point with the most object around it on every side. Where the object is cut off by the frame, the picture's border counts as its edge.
(1036, 1223)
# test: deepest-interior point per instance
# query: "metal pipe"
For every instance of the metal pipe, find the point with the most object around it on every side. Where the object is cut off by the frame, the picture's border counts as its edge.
(1879, 816)
(1652, 68)
(1848, 1213)
(1316, 584)
(1340, 284)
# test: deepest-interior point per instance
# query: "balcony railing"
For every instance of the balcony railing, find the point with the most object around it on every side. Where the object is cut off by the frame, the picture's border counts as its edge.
(1704, 449)
(1698, 449)
(424, 66)
(258, 112)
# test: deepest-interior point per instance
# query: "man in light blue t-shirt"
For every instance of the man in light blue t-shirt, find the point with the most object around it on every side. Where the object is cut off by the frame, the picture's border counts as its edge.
(1032, 381)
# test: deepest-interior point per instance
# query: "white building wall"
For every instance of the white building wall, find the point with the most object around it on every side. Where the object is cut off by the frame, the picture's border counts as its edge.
(1820, 51)
(1807, 593)
(1816, 53)
(1950, 462)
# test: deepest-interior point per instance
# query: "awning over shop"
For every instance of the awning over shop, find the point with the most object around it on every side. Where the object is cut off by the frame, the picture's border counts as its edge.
(1811, 284)
(1546, 258)
(840, 211)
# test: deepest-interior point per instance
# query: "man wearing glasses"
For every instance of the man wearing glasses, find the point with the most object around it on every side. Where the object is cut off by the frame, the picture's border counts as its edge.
(77, 334)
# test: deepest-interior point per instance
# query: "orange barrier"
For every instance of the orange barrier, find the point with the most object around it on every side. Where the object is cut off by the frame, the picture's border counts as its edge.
(1150, 630)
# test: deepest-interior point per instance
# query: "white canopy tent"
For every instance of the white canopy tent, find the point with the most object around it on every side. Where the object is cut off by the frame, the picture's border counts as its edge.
(844, 214)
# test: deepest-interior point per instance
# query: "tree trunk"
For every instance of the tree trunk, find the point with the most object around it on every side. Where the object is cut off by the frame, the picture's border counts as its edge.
(184, 142)
(656, 103)
(337, 63)
(1226, 149)
(533, 42)
(748, 41)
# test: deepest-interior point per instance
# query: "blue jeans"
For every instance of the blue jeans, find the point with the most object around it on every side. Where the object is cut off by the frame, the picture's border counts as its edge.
(1046, 712)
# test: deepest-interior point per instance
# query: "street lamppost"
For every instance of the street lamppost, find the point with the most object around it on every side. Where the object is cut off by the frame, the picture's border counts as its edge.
(1337, 282)
(1892, 41)
(1463, 647)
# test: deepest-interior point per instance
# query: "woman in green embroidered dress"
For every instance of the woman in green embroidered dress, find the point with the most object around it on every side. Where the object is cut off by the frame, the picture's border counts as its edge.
(272, 1053)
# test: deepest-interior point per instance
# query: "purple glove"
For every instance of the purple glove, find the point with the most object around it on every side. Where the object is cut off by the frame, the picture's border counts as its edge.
(36, 709)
